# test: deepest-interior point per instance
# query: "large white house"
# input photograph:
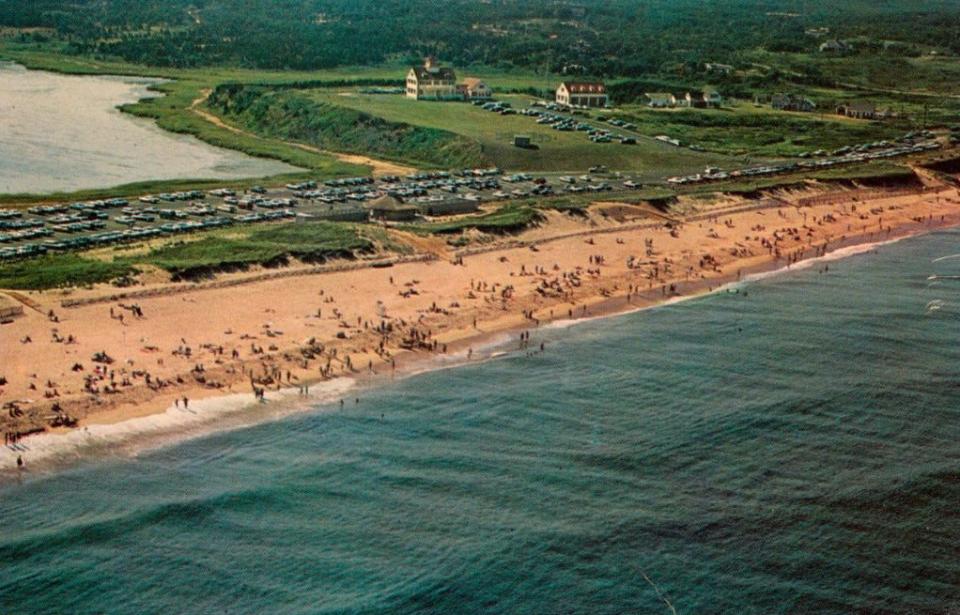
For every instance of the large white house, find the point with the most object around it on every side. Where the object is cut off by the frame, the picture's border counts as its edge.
(582, 94)
(432, 82)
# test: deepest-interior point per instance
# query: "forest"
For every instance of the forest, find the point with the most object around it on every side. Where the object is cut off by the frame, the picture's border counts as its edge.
(627, 38)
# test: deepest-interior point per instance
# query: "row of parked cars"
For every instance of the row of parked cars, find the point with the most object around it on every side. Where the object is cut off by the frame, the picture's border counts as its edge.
(412, 186)
(9, 224)
(83, 219)
(565, 123)
(108, 238)
(170, 197)
(557, 118)
(88, 206)
(503, 108)
(714, 174)
(25, 234)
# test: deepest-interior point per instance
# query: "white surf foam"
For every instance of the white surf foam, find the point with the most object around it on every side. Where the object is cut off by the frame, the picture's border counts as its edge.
(240, 410)
(173, 425)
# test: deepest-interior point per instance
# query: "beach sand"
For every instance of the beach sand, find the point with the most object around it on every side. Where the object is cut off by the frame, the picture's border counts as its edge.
(382, 321)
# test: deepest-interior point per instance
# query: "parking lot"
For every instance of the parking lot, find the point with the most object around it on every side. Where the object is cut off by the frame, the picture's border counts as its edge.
(67, 227)
(46, 229)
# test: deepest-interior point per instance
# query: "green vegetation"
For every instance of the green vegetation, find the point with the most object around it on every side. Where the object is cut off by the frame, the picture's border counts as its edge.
(288, 114)
(878, 170)
(870, 172)
(60, 271)
(173, 112)
(182, 107)
(197, 258)
(509, 218)
(571, 204)
(493, 135)
(621, 37)
(14, 201)
(749, 130)
(866, 71)
(272, 246)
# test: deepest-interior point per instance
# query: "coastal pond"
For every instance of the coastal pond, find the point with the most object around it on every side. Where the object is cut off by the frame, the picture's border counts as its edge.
(64, 132)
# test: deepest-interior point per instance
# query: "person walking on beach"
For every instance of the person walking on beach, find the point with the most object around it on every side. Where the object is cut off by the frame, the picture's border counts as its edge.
(186, 402)
(19, 462)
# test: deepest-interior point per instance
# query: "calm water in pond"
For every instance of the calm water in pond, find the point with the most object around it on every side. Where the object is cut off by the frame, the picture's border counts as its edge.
(791, 450)
(60, 132)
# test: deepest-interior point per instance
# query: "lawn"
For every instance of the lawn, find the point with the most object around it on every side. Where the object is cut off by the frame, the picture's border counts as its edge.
(558, 151)
(746, 129)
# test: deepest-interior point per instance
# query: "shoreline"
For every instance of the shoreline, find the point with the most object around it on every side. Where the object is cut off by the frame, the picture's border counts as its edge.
(458, 338)
(189, 157)
(216, 414)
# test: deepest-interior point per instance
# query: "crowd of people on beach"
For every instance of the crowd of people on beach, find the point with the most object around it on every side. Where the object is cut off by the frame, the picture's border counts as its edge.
(533, 287)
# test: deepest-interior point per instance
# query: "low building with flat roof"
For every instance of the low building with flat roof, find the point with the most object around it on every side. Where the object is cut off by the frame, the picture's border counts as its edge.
(390, 209)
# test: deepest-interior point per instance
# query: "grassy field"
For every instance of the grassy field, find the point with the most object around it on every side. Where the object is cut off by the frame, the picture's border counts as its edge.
(936, 75)
(746, 129)
(558, 151)
(289, 114)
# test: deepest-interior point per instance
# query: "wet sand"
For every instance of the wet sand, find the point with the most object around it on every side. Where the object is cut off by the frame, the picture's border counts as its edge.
(383, 322)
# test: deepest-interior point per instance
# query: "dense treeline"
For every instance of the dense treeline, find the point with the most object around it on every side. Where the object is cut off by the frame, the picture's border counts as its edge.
(609, 37)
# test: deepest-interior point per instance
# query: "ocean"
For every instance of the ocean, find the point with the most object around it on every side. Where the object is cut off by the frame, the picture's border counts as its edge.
(788, 445)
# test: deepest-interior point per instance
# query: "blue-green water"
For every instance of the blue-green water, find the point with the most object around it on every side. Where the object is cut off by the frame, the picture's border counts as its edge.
(794, 449)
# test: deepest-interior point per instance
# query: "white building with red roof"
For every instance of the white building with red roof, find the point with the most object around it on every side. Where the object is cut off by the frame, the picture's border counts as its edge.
(582, 94)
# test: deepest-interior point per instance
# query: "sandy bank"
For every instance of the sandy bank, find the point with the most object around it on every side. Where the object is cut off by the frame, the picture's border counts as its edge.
(282, 333)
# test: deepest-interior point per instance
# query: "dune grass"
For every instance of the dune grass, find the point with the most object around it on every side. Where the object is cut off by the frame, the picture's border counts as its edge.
(60, 271)
(509, 218)
(195, 258)
(270, 246)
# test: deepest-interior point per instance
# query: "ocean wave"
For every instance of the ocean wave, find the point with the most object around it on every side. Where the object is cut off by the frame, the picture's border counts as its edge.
(175, 424)
(236, 411)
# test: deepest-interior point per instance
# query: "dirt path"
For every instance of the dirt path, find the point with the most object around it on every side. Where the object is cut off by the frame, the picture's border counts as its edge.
(378, 167)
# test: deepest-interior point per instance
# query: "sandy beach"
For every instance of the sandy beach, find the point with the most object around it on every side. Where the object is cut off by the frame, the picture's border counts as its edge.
(196, 343)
